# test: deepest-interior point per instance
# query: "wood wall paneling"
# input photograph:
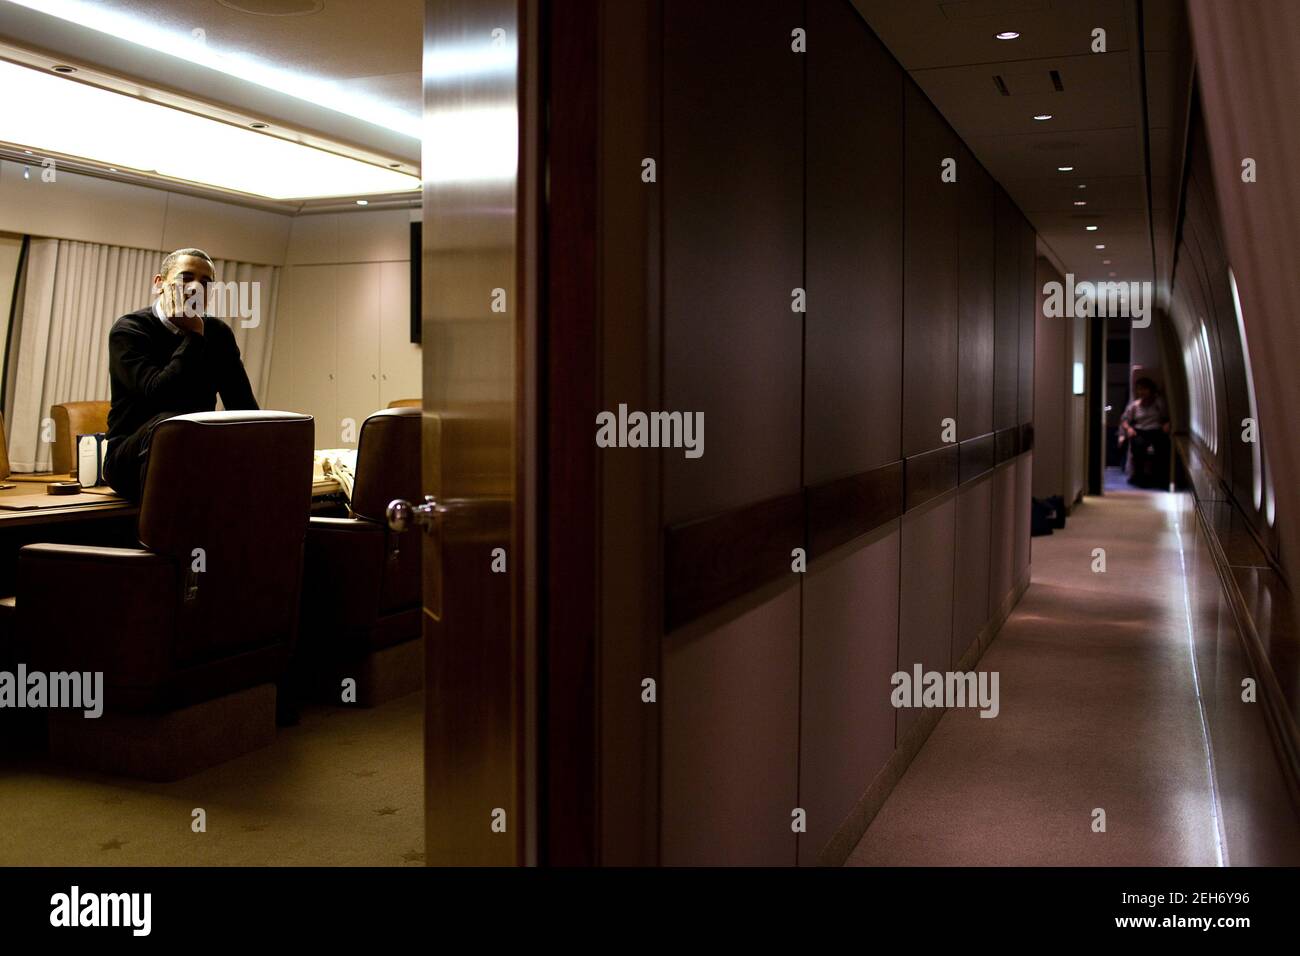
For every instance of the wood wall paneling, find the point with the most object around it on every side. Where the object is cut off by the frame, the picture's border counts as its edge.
(1006, 334)
(712, 561)
(841, 510)
(930, 336)
(970, 610)
(1002, 536)
(930, 475)
(926, 593)
(853, 345)
(976, 262)
(1024, 466)
(975, 456)
(850, 625)
(732, 172)
(730, 700)
(1027, 309)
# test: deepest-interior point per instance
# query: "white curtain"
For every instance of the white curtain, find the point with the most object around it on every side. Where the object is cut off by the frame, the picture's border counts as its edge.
(74, 292)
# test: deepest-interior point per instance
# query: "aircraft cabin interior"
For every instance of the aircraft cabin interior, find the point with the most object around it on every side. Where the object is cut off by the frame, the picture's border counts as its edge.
(588, 433)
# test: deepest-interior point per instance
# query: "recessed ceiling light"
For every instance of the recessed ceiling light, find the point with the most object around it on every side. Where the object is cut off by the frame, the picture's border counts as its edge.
(1105, 262)
(1081, 186)
(1043, 116)
(1007, 35)
(1065, 169)
(118, 130)
(1100, 245)
(1091, 228)
(363, 202)
(65, 69)
(1080, 202)
(1112, 274)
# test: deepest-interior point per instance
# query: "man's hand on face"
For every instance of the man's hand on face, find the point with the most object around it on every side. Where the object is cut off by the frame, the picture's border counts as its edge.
(179, 306)
(190, 323)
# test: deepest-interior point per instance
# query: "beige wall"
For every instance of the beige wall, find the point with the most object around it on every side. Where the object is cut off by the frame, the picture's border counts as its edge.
(88, 209)
(342, 347)
(1060, 452)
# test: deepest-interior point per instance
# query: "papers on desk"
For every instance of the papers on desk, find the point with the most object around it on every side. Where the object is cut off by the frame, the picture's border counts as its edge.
(33, 502)
(339, 464)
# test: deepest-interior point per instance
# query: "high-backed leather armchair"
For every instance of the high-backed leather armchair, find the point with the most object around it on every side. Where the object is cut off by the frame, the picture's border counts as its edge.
(362, 580)
(208, 604)
(72, 419)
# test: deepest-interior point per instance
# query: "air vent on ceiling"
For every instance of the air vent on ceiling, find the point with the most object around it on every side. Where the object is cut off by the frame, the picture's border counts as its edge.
(1032, 83)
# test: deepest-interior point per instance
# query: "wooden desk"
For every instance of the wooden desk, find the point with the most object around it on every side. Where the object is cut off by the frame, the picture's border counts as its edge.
(112, 506)
(110, 524)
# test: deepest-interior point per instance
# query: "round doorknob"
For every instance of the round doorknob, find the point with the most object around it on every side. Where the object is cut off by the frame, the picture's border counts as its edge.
(402, 514)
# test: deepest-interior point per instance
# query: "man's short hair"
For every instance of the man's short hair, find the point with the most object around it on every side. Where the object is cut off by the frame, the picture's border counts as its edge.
(1146, 383)
(169, 262)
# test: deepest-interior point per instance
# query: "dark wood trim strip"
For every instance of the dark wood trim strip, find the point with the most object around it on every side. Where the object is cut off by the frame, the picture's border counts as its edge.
(975, 456)
(929, 475)
(712, 561)
(1007, 441)
(843, 509)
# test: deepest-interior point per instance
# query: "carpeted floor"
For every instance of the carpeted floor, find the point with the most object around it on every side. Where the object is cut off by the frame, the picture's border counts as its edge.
(343, 787)
(1099, 710)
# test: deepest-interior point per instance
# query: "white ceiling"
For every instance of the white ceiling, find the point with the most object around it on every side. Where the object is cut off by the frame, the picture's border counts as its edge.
(950, 49)
(363, 48)
(369, 46)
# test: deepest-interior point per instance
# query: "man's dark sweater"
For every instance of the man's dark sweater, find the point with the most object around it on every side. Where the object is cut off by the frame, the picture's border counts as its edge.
(154, 371)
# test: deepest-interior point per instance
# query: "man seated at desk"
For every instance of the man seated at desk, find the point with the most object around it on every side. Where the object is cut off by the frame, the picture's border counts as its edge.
(169, 359)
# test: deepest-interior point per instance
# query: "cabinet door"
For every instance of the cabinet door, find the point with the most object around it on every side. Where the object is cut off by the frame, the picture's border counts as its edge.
(358, 362)
(314, 348)
(399, 358)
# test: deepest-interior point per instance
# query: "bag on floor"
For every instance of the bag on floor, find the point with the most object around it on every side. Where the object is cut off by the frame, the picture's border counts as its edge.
(1041, 518)
(1057, 504)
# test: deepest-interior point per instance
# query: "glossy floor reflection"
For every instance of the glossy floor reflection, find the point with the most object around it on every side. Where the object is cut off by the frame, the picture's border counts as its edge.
(1099, 711)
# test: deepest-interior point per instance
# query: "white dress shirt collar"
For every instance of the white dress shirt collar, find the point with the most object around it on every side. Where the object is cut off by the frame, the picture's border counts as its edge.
(168, 323)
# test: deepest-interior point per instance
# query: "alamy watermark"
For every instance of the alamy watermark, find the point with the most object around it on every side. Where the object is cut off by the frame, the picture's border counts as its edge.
(1114, 300)
(651, 430)
(76, 909)
(72, 690)
(222, 300)
(946, 689)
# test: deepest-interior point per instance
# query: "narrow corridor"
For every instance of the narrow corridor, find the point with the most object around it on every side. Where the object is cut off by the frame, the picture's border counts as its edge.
(1099, 710)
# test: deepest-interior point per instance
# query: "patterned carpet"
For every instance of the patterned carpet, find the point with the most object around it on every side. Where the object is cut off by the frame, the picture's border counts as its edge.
(342, 788)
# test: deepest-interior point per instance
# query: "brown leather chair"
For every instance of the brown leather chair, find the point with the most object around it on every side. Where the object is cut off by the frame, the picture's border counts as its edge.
(406, 403)
(189, 642)
(72, 419)
(361, 587)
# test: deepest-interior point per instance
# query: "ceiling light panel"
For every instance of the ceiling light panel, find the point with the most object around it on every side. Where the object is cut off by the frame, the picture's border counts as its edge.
(51, 114)
(126, 25)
